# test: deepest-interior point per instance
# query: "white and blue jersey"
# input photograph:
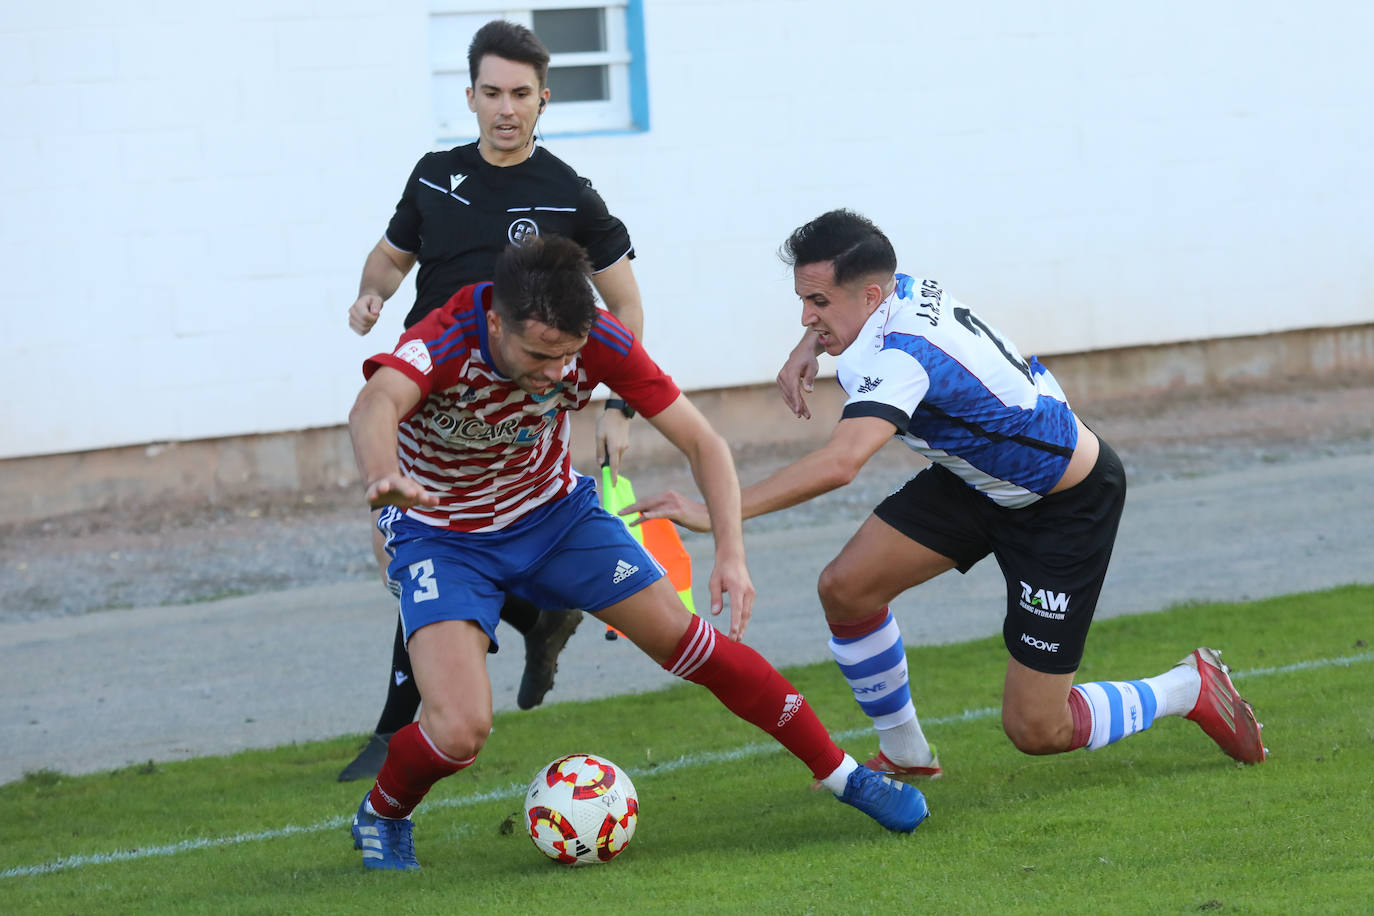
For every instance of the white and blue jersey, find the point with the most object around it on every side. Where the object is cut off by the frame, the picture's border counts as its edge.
(960, 394)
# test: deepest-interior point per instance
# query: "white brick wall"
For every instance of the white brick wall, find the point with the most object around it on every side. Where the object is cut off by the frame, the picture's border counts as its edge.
(188, 189)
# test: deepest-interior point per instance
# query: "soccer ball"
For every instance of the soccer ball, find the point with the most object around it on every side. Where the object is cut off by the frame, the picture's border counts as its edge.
(581, 809)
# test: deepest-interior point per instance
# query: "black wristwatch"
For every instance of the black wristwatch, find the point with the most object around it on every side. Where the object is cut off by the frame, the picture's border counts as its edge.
(620, 405)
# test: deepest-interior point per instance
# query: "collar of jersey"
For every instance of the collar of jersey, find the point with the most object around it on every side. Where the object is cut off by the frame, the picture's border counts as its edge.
(482, 296)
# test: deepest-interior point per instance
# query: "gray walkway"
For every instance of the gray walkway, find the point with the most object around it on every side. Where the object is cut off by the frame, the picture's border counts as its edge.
(108, 689)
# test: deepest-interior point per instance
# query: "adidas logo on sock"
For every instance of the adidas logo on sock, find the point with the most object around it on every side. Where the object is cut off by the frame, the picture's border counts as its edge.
(623, 571)
(790, 707)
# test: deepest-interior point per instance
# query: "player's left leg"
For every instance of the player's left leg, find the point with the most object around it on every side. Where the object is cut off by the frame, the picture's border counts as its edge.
(656, 621)
(1048, 713)
(1055, 560)
(590, 560)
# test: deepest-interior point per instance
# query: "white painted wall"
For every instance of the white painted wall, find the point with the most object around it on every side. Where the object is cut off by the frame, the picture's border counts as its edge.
(188, 189)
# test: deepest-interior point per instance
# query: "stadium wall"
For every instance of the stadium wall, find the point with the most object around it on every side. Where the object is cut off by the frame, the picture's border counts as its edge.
(308, 464)
(189, 189)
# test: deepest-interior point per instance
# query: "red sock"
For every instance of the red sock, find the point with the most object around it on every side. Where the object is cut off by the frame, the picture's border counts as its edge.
(413, 764)
(752, 689)
(1082, 721)
(853, 629)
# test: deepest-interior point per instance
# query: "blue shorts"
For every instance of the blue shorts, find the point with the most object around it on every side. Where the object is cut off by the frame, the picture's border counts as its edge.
(570, 553)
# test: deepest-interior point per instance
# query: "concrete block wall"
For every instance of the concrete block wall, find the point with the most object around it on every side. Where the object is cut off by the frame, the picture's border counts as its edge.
(189, 188)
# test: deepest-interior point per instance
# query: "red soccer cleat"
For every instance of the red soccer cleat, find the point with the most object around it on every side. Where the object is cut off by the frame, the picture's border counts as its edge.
(881, 764)
(1222, 712)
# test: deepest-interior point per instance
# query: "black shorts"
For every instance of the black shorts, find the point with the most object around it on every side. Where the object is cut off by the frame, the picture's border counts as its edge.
(1053, 553)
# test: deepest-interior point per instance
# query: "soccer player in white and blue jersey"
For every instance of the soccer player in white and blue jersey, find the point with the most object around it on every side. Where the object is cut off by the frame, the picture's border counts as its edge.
(1014, 473)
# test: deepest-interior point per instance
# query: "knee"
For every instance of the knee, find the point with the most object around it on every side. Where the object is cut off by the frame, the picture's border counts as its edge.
(1037, 735)
(837, 592)
(458, 733)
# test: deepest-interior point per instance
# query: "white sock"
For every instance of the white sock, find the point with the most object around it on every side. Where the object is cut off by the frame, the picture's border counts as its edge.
(1178, 690)
(836, 781)
(905, 744)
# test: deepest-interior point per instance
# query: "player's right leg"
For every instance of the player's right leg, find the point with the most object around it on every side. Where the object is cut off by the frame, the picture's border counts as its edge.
(449, 658)
(450, 610)
(877, 564)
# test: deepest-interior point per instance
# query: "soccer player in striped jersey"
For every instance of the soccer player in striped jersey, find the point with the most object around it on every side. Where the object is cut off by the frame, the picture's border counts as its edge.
(461, 434)
(459, 209)
(1013, 473)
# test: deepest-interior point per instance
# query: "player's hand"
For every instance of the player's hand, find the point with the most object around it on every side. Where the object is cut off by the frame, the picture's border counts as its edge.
(731, 577)
(398, 490)
(612, 439)
(798, 376)
(672, 505)
(363, 313)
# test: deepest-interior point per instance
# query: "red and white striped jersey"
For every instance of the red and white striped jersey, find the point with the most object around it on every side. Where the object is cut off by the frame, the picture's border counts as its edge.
(491, 450)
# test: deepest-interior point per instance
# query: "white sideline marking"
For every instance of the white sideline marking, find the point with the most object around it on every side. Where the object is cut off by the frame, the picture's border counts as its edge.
(518, 791)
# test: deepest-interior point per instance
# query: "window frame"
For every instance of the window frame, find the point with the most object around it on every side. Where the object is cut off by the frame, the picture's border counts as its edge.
(626, 110)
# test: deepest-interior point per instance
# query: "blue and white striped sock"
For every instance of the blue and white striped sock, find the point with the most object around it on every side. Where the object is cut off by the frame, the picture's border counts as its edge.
(1119, 709)
(874, 664)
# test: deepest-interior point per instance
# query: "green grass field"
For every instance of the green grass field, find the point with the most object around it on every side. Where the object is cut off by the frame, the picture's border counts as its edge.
(1160, 823)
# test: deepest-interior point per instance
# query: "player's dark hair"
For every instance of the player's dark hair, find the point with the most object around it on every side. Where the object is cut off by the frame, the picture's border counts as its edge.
(544, 278)
(856, 246)
(511, 42)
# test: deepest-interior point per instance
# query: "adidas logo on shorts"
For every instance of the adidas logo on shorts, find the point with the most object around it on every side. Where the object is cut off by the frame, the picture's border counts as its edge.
(623, 571)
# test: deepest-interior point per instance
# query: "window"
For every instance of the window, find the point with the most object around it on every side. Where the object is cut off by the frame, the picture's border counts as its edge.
(597, 73)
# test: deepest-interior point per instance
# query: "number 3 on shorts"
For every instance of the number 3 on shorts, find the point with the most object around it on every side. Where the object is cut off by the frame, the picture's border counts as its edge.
(422, 574)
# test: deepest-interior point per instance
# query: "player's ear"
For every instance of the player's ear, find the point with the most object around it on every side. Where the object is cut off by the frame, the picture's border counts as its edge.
(472, 99)
(493, 323)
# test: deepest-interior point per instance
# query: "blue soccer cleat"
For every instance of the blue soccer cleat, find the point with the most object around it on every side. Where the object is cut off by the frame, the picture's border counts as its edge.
(895, 805)
(385, 841)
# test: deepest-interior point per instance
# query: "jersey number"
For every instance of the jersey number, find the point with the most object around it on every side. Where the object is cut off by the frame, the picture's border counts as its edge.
(975, 324)
(423, 575)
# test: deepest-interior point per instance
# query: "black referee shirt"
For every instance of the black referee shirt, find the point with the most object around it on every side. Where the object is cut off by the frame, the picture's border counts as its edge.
(458, 212)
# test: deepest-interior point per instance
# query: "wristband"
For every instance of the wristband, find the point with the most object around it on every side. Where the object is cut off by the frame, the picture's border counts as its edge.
(620, 405)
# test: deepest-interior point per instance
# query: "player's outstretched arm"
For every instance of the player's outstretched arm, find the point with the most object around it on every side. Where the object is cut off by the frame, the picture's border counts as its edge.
(797, 376)
(387, 396)
(386, 266)
(714, 471)
(617, 287)
(854, 441)
(828, 468)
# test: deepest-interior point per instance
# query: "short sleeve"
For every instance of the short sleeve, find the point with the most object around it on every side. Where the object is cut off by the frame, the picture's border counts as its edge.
(889, 384)
(603, 236)
(614, 356)
(403, 232)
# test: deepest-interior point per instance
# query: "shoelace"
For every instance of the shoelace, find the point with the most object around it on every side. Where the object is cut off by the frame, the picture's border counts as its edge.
(401, 837)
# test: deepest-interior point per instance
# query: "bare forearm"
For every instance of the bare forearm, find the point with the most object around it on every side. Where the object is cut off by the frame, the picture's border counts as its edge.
(381, 275)
(713, 468)
(806, 478)
(809, 347)
(372, 427)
